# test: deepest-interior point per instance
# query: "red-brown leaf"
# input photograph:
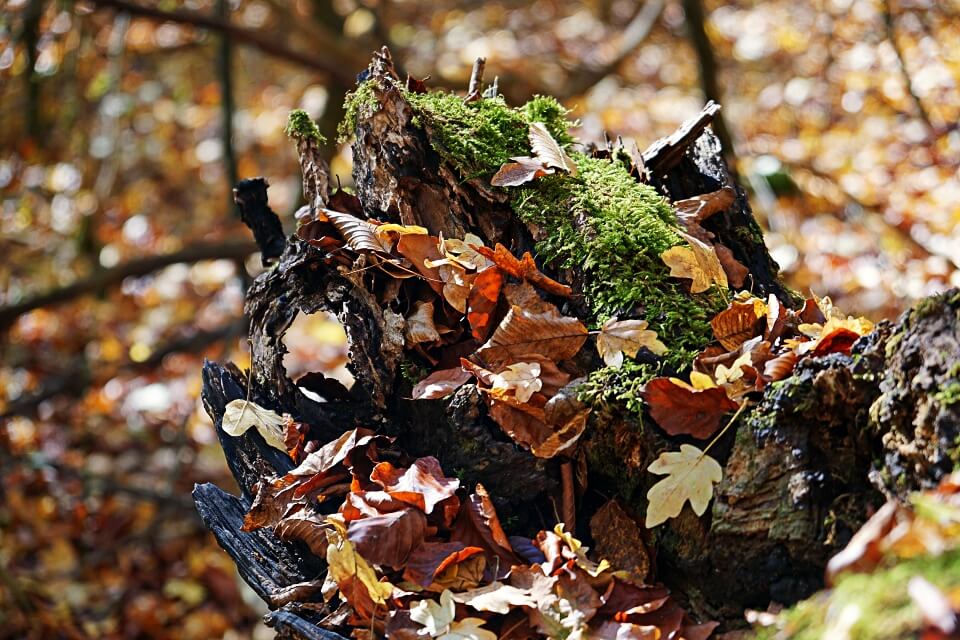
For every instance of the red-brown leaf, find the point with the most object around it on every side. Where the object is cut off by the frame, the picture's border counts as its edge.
(422, 485)
(522, 170)
(522, 332)
(681, 411)
(389, 538)
(440, 384)
(431, 558)
(735, 324)
(482, 302)
(478, 526)
(837, 341)
(524, 268)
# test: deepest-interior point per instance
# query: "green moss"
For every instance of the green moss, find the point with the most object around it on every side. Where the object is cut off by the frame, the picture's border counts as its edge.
(621, 387)
(301, 125)
(876, 605)
(614, 228)
(361, 98)
(949, 394)
(478, 137)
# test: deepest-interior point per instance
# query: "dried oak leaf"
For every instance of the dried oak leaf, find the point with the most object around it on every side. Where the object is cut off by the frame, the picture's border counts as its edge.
(736, 324)
(422, 485)
(697, 262)
(684, 410)
(524, 268)
(419, 326)
(482, 302)
(618, 337)
(691, 474)
(522, 170)
(440, 384)
(523, 332)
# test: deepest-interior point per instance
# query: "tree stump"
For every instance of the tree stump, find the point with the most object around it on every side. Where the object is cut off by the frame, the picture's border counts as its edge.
(802, 469)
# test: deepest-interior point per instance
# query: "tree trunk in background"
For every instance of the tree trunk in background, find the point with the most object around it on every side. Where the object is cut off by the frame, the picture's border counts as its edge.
(801, 471)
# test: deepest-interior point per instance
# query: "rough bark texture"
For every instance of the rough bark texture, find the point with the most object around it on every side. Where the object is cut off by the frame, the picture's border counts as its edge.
(801, 470)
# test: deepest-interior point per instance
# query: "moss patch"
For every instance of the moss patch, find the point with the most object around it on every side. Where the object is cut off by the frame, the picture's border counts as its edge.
(358, 100)
(301, 125)
(613, 228)
(478, 137)
(878, 602)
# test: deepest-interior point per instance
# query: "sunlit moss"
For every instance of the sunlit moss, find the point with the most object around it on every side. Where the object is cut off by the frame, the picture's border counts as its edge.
(301, 125)
(361, 98)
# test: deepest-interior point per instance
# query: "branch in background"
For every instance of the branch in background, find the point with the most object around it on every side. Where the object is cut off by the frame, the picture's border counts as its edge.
(342, 70)
(888, 21)
(30, 36)
(583, 78)
(115, 275)
(78, 378)
(696, 29)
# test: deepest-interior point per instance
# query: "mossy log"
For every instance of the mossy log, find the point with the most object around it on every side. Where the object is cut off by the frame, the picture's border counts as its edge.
(801, 470)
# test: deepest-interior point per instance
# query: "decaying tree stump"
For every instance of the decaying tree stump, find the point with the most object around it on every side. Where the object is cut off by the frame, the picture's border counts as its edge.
(802, 469)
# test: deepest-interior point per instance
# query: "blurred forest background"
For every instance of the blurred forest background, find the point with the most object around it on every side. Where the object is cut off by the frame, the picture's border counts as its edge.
(123, 126)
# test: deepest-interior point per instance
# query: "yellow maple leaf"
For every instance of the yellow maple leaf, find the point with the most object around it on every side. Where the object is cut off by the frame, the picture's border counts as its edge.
(691, 474)
(697, 262)
(618, 337)
(522, 377)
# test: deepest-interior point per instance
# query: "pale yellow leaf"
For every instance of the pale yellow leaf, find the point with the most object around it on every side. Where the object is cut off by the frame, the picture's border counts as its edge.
(549, 150)
(619, 337)
(734, 372)
(468, 629)
(240, 415)
(523, 378)
(691, 474)
(697, 262)
(419, 325)
(435, 617)
(348, 568)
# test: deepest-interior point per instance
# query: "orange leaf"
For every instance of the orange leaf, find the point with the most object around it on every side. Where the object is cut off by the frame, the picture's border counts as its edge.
(524, 268)
(686, 411)
(736, 324)
(482, 301)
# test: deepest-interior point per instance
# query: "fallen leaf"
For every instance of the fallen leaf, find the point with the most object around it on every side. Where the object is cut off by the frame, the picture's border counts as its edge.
(440, 384)
(388, 538)
(422, 485)
(611, 630)
(360, 235)
(562, 549)
(523, 378)
(691, 474)
(468, 629)
(497, 597)
(356, 579)
(736, 324)
(776, 318)
(482, 301)
(548, 151)
(435, 617)
(699, 208)
(780, 367)
(456, 285)
(618, 539)
(698, 262)
(724, 375)
(466, 253)
(434, 558)
(420, 250)
(524, 268)
(683, 410)
(522, 170)
(419, 325)
(736, 271)
(478, 526)
(308, 527)
(618, 337)
(522, 332)
(240, 415)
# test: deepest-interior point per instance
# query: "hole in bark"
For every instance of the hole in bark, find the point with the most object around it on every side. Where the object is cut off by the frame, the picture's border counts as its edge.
(317, 353)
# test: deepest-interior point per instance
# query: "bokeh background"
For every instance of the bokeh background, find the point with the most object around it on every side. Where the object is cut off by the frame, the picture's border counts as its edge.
(123, 125)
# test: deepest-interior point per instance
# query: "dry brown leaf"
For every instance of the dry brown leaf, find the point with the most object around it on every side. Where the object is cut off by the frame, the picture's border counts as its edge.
(736, 271)
(523, 332)
(736, 324)
(699, 208)
(482, 302)
(522, 170)
(419, 325)
(684, 410)
(548, 150)
(618, 539)
(524, 268)
(440, 384)
(618, 337)
(698, 262)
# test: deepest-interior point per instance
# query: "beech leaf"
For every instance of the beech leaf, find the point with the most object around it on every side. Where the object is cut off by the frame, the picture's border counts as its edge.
(681, 409)
(522, 332)
(354, 576)
(697, 262)
(618, 337)
(548, 150)
(691, 474)
(522, 170)
(240, 415)
(419, 326)
(440, 384)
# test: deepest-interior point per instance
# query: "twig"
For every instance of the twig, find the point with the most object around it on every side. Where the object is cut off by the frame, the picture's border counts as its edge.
(115, 275)
(569, 502)
(342, 70)
(476, 79)
(888, 21)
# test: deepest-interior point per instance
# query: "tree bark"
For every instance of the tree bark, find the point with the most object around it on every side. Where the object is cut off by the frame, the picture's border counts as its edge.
(801, 470)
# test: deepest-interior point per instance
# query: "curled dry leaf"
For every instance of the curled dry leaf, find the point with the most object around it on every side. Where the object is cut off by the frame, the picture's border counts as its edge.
(360, 235)
(697, 262)
(736, 271)
(355, 578)
(465, 253)
(522, 378)
(723, 374)
(684, 410)
(691, 474)
(522, 332)
(478, 526)
(440, 383)
(522, 170)
(431, 560)
(549, 150)
(482, 301)
(524, 268)
(419, 326)
(736, 324)
(699, 208)
(240, 415)
(388, 538)
(781, 366)
(308, 527)
(618, 337)
(422, 485)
